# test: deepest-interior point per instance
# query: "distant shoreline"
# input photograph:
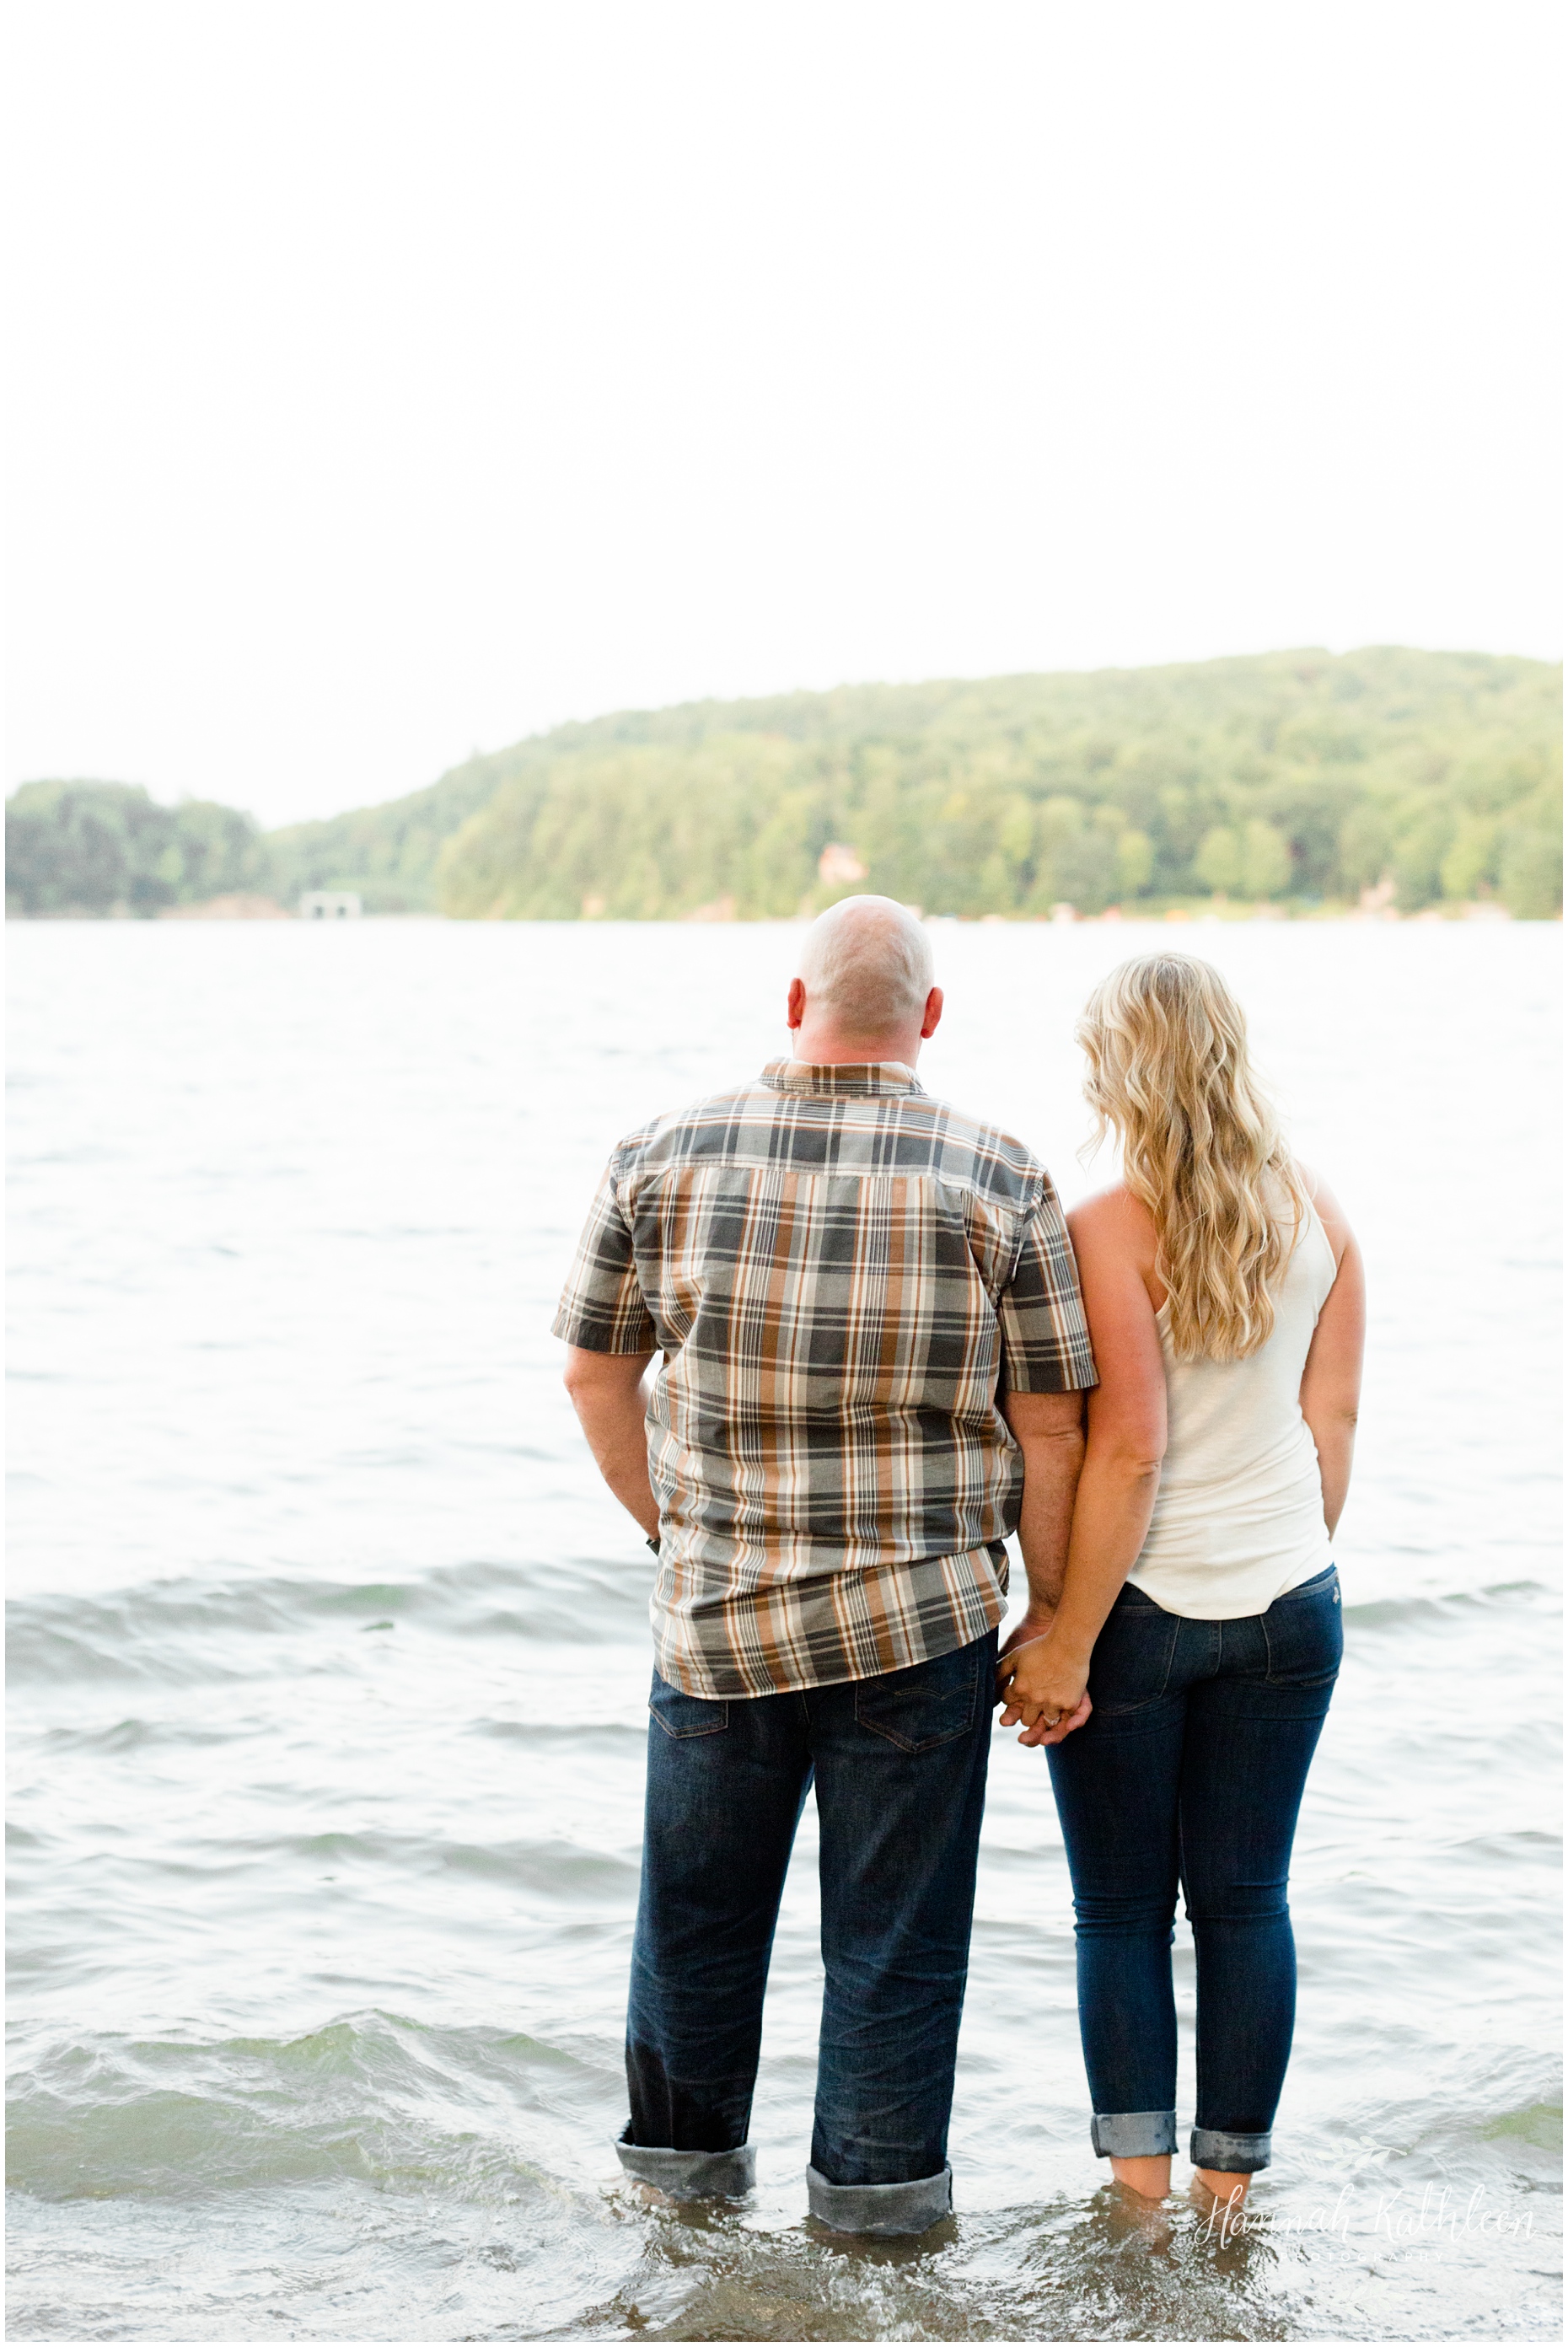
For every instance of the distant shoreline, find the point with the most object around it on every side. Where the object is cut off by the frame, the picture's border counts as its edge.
(1320, 785)
(1487, 913)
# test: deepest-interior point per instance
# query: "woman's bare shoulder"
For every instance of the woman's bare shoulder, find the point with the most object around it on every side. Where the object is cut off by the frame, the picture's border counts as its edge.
(1330, 1213)
(1114, 1220)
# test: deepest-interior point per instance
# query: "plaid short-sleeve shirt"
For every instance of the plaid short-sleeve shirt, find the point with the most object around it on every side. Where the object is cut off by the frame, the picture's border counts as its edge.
(842, 1274)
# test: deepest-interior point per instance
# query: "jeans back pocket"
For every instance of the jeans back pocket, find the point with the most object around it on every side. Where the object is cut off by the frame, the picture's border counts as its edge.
(928, 1704)
(1304, 1633)
(1131, 1665)
(681, 1715)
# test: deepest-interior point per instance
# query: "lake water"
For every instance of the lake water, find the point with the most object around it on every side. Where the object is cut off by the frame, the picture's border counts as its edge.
(330, 1657)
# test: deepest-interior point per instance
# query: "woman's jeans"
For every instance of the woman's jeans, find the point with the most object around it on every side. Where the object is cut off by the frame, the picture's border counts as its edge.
(1190, 1771)
(900, 1768)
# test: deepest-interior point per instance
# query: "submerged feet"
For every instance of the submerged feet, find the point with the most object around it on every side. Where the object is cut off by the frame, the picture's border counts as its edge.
(1216, 2191)
(1221, 2197)
(1149, 2177)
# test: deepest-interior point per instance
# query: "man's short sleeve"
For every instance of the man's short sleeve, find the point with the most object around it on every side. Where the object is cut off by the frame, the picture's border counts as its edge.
(1045, 1336)
(603, 1307)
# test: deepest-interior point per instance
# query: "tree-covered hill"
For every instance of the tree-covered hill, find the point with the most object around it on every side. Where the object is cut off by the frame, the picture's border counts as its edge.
(387, 853)
(1294, 774)
(1297, 776)
(103, 848)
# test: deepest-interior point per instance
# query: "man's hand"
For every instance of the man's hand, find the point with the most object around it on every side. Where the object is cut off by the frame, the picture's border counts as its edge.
(1034, 1623)
(1041, 1685)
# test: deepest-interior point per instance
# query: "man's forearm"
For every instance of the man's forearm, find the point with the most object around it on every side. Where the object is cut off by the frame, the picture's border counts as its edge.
(1051, 1465)
(620, 1449)
(607, 1394)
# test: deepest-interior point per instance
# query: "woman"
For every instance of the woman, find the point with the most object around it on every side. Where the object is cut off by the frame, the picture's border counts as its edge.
(1200, 1605)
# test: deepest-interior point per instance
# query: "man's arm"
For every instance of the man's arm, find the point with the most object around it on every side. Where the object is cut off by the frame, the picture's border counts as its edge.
(1049, 1429)
(606, 1392)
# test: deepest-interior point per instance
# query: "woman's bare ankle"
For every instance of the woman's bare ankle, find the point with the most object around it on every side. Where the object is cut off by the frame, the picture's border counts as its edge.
(1229, 2191)
(1150, 2178)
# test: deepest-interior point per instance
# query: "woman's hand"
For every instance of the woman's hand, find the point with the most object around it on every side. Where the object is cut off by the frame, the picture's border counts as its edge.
(1042, 1683)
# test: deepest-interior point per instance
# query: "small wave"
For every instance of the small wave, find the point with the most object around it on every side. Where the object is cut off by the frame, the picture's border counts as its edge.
(130, 1735)
(202, 1630)
(1405, 1613)
(375, 2097)
(562, 1736)
(550, 1870)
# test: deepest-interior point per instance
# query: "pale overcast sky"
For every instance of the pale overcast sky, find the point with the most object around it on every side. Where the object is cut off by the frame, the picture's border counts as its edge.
(393, 380)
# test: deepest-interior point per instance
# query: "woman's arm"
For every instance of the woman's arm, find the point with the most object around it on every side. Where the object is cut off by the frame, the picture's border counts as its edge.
(1113, 1238)
(1331, 1381)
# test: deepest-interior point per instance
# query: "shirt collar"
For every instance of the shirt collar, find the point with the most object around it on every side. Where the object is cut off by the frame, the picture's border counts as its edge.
(854, 1080)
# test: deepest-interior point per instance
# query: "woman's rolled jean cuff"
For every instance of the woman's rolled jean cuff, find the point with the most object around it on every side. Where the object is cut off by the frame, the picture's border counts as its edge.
(692, 2175)
(1133, 2135)
(880, 2208)
(1231, 2154)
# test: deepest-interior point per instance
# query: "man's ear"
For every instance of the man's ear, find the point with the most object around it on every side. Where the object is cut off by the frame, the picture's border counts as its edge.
(933, 1019)
(796, 1009)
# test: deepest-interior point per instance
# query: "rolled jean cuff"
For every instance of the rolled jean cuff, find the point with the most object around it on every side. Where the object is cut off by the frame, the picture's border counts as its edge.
(1133, 2135)
(880, 2208)
(692, 2175)
(1231, 2154)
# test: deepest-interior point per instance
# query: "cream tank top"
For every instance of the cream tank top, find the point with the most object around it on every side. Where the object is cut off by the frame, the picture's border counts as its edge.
(1238, 1518)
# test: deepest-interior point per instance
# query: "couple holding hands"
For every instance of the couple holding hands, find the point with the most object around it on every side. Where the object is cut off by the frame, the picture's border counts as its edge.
(881, 1350)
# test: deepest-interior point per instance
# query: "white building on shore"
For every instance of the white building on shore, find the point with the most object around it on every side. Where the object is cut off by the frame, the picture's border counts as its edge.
(330, 904)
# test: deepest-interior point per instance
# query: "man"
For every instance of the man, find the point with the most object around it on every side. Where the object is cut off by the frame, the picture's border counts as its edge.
(874, 1357)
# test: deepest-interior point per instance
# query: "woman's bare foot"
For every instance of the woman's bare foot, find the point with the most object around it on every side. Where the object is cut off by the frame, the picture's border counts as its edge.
(1150, 2178)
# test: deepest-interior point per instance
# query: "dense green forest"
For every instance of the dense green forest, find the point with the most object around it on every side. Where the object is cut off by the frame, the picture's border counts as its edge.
(97, 847)
(1298, 777)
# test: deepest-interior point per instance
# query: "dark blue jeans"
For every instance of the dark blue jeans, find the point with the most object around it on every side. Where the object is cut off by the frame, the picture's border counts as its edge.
(900, 1768)
(1190, 1771)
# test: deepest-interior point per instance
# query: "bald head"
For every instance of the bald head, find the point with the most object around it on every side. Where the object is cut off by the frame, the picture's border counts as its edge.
(866, 981)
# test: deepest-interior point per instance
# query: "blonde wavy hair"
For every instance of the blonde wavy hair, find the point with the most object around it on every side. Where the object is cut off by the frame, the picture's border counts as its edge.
(1200, 1146)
